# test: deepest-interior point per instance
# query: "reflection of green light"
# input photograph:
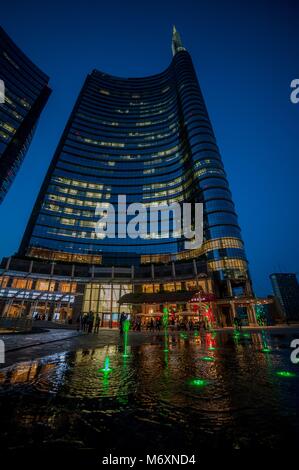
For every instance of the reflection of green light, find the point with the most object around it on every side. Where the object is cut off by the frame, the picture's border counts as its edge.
(196, 333)
(106, 369)
(266, 350)
(165, 340)
(246, 335)
(211, 348)
(126, 328)
(285, 373)
(166, 358)
(198, 382)
(207, 358)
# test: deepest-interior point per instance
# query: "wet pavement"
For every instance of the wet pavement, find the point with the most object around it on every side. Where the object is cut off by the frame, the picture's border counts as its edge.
(15, 342)
(221, 392)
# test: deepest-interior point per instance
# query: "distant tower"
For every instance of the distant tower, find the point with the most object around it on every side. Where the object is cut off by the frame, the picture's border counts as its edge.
(286, 289)
(177, 44)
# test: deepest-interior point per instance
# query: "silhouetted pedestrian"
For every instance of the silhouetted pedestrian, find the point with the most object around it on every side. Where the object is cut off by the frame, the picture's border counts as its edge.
(97, 323)
(90, 320)
(84, 322)
(122, 319)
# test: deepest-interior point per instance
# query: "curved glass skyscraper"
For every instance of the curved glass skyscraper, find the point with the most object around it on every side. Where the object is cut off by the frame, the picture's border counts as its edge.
(150, 139)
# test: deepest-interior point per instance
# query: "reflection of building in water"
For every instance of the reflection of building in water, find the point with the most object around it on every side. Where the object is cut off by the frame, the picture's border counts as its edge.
(87, 377)
(46, 374)
(25, 372)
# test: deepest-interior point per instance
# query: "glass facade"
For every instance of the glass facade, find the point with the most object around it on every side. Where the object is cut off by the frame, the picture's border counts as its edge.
(26, 93)
(150, 139)
(286, 289)
(103, 299)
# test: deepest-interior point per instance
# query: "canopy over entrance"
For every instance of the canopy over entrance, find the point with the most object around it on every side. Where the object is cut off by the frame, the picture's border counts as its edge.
(180, 297)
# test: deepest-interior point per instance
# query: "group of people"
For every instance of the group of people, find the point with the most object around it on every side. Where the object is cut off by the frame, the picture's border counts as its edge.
(89, 323)
(176, 324)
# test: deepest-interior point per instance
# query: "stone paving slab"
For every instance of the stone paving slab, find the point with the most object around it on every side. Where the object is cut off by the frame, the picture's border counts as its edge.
(16, 341)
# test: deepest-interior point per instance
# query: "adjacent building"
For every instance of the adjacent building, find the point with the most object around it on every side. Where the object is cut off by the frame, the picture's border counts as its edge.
(26, 92)
(150, 139)
(286, 289)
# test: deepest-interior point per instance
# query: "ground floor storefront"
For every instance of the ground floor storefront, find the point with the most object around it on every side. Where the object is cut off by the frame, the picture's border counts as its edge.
(189, 303)
(187, 310)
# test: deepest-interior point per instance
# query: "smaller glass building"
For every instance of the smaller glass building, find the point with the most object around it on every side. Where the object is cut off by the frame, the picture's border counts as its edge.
(26, 93)
(286, 289)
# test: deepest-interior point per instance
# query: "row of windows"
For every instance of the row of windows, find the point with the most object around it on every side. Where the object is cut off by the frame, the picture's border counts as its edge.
(105, 107)
(227, 264)
(42, 285)
(81, 184)
(207, 246)
(217, 205)
(115, 171)
(43, 253)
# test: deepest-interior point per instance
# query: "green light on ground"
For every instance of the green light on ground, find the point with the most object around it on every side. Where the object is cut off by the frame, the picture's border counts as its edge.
(126, 328)
(211, 348)
(207, 358)
(246, 335)
(266, 350)
(106, 369)
(285, 373)
(198, 382)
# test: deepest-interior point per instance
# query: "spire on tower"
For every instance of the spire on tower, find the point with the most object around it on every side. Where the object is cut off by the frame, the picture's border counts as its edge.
(177, 44)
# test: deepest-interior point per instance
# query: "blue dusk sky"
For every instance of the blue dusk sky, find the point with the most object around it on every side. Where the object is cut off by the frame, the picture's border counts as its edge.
(245, 54)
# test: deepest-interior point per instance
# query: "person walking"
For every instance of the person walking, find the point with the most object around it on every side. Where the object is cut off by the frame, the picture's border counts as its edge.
(123, 317)
(84, 322)
(90, 322)
(97, 323)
